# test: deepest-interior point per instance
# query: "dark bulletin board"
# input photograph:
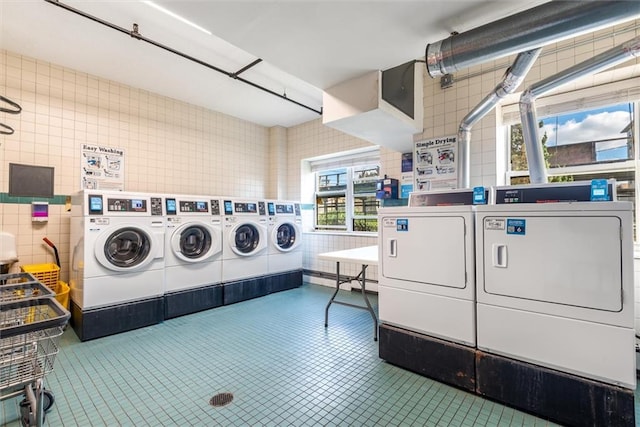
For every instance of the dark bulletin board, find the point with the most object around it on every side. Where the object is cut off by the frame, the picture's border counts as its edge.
(30, 181)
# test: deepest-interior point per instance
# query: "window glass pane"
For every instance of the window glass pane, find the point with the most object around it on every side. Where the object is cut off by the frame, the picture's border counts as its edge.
(596, 136)
(371, 172)
(599, 135)
(330, 211)
(332, 180)
(365, 206)
(518, 151)
(364, 179)
(363, 224)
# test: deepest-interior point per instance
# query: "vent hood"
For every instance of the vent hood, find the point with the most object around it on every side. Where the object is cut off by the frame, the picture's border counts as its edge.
(382, 107)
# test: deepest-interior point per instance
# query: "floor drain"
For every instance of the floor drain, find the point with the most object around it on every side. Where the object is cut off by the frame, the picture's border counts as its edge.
(221, 399)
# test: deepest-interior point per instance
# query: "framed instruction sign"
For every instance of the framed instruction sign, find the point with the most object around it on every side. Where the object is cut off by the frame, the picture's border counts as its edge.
(102, 168)
(436, 163)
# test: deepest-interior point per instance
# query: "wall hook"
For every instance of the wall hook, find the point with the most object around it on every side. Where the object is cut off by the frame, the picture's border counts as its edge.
(8, 131)
(16, 107)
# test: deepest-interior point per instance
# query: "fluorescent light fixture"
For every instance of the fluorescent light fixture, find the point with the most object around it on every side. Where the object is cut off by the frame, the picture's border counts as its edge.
(176, 16)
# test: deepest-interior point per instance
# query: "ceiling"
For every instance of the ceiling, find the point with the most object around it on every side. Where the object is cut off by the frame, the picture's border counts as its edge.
(305, 46)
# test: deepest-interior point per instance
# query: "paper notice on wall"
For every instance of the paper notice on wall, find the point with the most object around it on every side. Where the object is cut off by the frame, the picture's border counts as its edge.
(406, 184)
(436, 164)
(102, 168)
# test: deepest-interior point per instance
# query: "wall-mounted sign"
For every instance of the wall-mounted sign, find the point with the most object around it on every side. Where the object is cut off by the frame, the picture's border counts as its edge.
(406, 177)
(102, 168)
(436, 163)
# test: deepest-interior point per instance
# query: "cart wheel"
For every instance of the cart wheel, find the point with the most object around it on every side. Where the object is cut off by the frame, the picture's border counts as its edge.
(47, 400)
(26, 418)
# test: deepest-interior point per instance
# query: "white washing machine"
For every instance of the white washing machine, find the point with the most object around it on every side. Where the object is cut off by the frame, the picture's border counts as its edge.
(555, 287)
(193, 254)
(117, 266)
(244, 248)
(285, 236)
(426, 271)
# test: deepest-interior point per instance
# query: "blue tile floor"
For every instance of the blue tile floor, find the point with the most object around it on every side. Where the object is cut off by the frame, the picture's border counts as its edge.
(276, 358)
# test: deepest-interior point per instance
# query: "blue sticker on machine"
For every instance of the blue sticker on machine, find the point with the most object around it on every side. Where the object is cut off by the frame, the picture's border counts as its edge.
(402, 224)
(599, 190)
(516, 226)
(479, 196)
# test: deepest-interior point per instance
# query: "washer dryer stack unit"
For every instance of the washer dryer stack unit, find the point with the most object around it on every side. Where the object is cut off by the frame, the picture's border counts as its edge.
(244, 250)
(555, 308)
(426, 286)
(284, 245)
(193, 254)
(117, 265)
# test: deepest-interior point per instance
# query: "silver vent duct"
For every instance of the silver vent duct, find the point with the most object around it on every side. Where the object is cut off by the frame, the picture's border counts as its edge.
(526, 30)
(601, 62)
(513, 78)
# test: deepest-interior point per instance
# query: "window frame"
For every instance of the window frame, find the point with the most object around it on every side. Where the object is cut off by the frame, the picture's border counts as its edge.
(350, 198)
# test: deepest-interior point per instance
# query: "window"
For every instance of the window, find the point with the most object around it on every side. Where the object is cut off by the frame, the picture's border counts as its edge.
(598, 143)
(346, 198)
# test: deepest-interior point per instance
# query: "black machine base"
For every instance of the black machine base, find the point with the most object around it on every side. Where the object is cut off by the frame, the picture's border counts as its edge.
(444, 361)
(101, 322)
(243, 290)
(561, 397)
(255, 287)
(192, 300)
(284, 281)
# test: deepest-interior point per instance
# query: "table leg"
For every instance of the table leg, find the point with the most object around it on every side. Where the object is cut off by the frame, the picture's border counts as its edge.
(326, 310)
(366, 300)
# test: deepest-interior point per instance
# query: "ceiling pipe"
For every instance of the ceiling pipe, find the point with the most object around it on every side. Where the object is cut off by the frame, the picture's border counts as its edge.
(541, 25)
(601, 62)
(136, 35)
(513, 77)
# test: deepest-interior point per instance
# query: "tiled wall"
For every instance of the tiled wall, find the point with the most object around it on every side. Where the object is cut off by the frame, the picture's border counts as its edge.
(170, 146)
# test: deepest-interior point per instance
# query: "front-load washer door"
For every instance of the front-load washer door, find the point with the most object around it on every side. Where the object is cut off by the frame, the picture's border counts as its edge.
(196, 242)
(125, 248)
(286, 236)
(248, 239)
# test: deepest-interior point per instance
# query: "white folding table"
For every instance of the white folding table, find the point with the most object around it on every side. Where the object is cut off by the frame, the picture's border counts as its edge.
(364, 256)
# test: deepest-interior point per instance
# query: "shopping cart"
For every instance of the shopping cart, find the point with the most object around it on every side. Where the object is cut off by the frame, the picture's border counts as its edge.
(31, 323)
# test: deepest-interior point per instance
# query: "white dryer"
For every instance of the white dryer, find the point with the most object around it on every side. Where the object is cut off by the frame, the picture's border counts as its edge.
(193, 254)
(117, 265)
(426, 285)
(285, 236)
(244, 249)
(427, 266)
(555, 287)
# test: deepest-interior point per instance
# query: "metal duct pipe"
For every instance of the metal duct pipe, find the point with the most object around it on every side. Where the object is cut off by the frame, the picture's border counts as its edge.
(512, 79)
(601, 62)
(526, 30)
